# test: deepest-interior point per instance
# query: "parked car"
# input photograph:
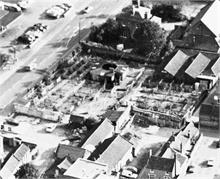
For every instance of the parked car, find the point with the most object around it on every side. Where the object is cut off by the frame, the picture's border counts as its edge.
(12, 121)
(12, 7)
(210, 163)
(129, 172)
(190, 169)
(32, 33)
(85, 10)
(24, 69)
(58, 11)
(51, 127)
(24, 4)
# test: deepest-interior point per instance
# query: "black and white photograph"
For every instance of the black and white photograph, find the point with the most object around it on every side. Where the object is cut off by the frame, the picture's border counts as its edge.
(109, 89)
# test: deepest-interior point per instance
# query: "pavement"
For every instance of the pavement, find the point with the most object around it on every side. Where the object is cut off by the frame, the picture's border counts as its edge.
(53, 43)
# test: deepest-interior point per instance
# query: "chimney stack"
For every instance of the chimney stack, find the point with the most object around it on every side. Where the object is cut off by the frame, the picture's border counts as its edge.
(150, 153)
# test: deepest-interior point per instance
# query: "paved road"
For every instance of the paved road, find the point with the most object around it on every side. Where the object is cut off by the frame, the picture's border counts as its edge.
(52, 44)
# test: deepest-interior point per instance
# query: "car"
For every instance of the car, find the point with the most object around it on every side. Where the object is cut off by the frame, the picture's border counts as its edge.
(129, 172)
(40, 27)
(32, 33)
(24, 4)
(35, 122)
(11, 7)
(51, 127)
(24, 69)
(12, 121)
(58, 11)
(190, 169)
(85, 10)
(210, 163)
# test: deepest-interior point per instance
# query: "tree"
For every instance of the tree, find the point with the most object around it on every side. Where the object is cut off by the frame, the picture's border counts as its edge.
(149, 39)
(27, 171)
(108, 33)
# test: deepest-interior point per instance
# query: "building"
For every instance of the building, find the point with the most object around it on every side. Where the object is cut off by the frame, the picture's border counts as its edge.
(203, 33)
(19, 157)
(98, 135)
(158, 167)
(65, 156)
(175, 155)
(209, 114)
(190, 66)
(117, 153)
(86, 169)
(72, 152)
(118, 118)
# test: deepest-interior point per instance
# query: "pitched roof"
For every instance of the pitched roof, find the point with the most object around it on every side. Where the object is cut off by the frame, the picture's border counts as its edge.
(208, 15)
(14, 161)
(113, 115)
(216, 67)
(100, 134)
(198, 65)
(115, 152)
(159, 163)
(176, 62)
(65, 164)
(85, 169)
(69, 151)
(210, 107)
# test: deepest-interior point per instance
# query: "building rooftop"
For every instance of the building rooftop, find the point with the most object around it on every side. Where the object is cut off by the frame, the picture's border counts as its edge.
(207, 16)
(112, 115)
(14, 161)
(176, 62)
(115, 152)
(158, 163)
(85, 169)
(69, 151)
(100, 134)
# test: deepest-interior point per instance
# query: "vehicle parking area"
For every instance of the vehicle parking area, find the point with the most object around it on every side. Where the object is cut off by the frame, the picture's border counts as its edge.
(207, 151)
(33, 131)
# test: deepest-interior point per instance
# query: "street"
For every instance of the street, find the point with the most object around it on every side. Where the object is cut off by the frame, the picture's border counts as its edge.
(52, 44)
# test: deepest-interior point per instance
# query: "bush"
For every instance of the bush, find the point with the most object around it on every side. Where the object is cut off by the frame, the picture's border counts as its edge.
(27, 171)
(168, 13)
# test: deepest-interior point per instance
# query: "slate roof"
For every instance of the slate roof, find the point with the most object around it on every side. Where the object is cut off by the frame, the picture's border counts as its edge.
(159, 163)
(176, 62)
(69, 151)
(208, 15)
(198, 65)
(115, 152)
(100, 134)
(182, 138)
(113, 115)
(14, 161)
(210, 107)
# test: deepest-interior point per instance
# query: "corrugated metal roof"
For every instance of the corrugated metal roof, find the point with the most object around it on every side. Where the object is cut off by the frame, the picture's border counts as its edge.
(198, 65)
(216, 67)
(176, 62)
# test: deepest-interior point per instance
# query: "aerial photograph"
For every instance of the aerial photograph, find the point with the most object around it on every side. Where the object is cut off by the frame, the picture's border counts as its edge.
(109, 89)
